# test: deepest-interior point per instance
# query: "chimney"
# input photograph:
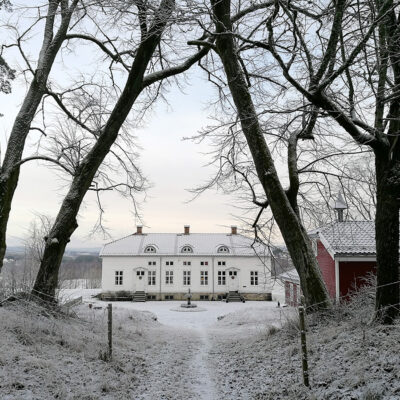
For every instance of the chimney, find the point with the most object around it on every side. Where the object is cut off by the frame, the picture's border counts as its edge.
(339, 207)
(186, 229)
(234, 230)
(139, 230)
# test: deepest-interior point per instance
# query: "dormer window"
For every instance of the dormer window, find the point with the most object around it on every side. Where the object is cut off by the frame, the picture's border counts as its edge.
(186, 249)
(150, 249)
(223, 249)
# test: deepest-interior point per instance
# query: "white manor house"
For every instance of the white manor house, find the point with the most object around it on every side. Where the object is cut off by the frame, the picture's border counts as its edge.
(164, 266)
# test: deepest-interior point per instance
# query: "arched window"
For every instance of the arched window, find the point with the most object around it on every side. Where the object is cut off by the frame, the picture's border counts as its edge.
(150, 249)
(186, 249)
(223, 249)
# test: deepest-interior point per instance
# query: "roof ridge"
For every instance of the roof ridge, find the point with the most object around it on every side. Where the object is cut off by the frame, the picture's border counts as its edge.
(116, 240)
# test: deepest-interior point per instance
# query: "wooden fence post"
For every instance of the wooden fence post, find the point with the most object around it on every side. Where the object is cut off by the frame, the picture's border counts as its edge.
(304, 358)
(109, 307)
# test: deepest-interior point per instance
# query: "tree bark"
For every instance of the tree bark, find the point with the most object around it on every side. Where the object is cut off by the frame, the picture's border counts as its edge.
(66, 223)
(294, 234)
(9, 172)
(387, 240)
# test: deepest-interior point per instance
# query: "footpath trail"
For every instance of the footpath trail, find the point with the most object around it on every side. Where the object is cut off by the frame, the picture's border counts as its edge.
(183, 356)
(202, 373)
(198, 343)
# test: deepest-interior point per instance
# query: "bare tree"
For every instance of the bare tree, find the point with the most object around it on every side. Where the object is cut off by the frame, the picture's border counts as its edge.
(153, 21)
(349, 70)
(34, 248)
(148, 66)
(282, 203)
(53, 39)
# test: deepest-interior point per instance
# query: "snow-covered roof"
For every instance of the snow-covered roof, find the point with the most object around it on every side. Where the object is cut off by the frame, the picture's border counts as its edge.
(291, 276)
(173, 243)
(349, 237)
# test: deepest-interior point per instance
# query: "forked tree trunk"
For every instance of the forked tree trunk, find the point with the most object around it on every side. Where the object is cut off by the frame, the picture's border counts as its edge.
(66, 223)
(295, 236)
(9, 172)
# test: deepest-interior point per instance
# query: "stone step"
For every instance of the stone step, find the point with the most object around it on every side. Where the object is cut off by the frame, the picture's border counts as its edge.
(139, 296)
(234, 297)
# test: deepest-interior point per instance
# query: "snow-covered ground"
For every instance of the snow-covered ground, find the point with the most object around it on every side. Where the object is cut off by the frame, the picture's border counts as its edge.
(229, 351)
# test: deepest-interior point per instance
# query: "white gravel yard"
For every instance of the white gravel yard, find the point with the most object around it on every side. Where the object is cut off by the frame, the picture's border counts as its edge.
(230, 351)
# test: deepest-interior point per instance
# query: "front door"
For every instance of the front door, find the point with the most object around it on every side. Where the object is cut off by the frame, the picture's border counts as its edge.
(233, 281)
(140, 280)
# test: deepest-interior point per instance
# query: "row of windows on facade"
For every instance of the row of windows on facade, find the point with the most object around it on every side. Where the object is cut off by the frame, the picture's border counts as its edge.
(169, 277)
(171, 263)
(186, 249)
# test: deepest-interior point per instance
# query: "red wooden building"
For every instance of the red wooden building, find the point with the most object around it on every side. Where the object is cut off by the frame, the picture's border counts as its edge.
(346, 254)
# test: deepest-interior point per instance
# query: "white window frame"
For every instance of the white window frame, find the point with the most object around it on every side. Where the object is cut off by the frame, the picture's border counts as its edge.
(119, 278)
(187, 249)
(150, 249)
(169, 277)
(204, 278)
(253, 278)
(151, 278)
(223, 249)
(221, 278)
(186, 278)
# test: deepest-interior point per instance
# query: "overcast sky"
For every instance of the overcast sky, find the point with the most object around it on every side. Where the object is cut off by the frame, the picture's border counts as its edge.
(171, 164)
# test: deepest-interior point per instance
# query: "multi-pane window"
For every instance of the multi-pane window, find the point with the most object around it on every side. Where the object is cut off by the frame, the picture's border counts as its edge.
(254, 278)
(203, 277)
(169, 277)
(119, 277)
(203, 262)
(221, 278)
(223, 249)
(186, 277)
(169, 263)
(151, 263)
(152, 278)
(187, 263)
(221, 263)
(150, 249)
(140, 273)
(187, 249)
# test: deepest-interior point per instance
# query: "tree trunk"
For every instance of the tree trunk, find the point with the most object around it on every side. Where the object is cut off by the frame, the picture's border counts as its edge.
(65, 223)
(296, 238)
(387, 240)
(9, 171)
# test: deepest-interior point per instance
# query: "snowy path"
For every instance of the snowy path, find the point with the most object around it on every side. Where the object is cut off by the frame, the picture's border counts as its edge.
(203, 383)
(188, 358)
(182, 354)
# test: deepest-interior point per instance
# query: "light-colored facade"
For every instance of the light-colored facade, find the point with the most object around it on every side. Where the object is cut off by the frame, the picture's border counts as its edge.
(166, 266)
